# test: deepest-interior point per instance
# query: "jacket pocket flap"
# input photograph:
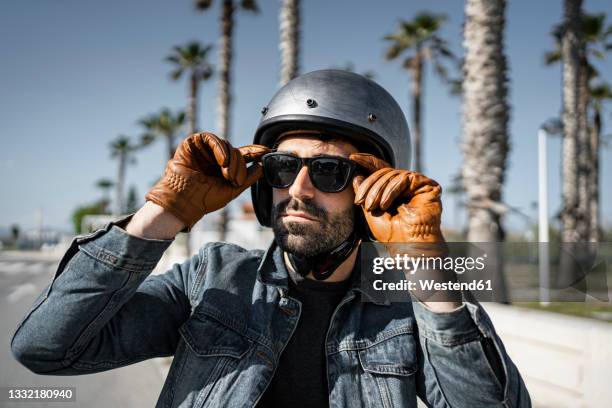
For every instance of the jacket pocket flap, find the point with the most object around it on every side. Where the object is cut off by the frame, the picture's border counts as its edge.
(207, 337)
(393, 356)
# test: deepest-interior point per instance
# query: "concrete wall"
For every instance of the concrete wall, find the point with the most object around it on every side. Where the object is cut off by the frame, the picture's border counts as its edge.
(565, 361)
(244, 232)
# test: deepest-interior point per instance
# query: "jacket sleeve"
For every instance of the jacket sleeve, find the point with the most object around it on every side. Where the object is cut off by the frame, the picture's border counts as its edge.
(463, 362)
(102, 310)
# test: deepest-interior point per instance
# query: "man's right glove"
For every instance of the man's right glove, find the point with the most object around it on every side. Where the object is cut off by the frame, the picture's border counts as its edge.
(204, 175)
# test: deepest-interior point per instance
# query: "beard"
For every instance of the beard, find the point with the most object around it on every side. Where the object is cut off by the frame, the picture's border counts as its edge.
(311, 239)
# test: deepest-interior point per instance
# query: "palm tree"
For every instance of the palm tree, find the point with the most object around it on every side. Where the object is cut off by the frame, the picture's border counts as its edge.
(421, 37)
(596, 44)
(193, 59)
(131, 205)
(593, 45)
(164, 124)
(226, 52)
(122, 149)
(599, 94)
(571, 54)
(15, 233)
(105, 185)
(485, 125)
(289, 24)
(225, 64)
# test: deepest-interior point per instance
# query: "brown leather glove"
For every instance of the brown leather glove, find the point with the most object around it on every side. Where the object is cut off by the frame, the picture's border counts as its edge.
(399, 205)
(204, 175)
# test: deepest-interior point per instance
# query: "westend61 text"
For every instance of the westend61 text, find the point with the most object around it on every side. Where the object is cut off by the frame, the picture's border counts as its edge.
(431, 284)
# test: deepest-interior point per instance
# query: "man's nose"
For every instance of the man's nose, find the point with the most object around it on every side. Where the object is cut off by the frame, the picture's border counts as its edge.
(302, 187)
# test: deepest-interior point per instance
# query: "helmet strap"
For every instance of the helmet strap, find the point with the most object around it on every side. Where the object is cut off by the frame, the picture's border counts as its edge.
(323, 266)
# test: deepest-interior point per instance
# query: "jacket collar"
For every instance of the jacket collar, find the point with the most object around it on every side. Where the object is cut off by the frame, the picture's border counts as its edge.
(272, 269)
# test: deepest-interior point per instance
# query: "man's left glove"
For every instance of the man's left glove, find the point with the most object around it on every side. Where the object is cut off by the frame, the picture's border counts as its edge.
(204, 175)
(399, 205)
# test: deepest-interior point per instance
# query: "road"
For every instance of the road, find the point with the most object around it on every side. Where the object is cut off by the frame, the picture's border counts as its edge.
(23, 276)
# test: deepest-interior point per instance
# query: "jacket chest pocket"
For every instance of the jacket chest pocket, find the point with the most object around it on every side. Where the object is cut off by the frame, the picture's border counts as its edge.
(210, 359)
(388, 369)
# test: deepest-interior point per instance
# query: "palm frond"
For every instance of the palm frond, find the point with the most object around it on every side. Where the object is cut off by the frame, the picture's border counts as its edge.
(249, 5)
(597, 53)
(176, 74)
(192, 57)
(206, 73)
(456, 86)
(409, 62)
(202, 4)
(105, 183)
(593, 26)
(121, 146)
(601, 91)
(146, 139)
(552, 57)
(393, 52)
(441, 70)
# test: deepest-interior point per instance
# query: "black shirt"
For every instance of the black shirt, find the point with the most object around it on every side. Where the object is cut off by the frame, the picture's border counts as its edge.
(301, 376)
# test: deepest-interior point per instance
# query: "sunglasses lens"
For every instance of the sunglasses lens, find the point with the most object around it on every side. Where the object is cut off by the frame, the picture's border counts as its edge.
(329, 175)
(280, 170)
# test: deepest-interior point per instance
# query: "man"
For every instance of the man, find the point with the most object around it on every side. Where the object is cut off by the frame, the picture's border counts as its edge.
(285, 327)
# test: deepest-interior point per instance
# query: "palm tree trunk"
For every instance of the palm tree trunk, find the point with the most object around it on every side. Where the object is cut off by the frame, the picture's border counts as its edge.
(571, 71)
(485, 128)
(225, 62)
(225, 58)
(416, 92)
(192, 106)
(584, 151)
(107, 200)
(171, 148)
(594, 230)
(289, 23)
(570, 54)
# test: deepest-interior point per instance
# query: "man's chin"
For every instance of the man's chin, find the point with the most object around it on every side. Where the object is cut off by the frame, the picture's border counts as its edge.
(297, 245)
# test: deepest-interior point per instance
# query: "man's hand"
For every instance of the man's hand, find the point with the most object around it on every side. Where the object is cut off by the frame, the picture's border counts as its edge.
(403, 206)
(399, 205)
(204, 175)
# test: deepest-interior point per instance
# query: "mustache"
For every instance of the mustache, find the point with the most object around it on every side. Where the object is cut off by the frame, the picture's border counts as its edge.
(307, 207)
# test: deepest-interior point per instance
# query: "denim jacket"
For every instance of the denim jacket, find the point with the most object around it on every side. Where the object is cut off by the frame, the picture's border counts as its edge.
(226, 317)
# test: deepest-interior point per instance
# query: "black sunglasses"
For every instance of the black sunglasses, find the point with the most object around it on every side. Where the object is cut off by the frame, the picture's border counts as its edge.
(330, 174)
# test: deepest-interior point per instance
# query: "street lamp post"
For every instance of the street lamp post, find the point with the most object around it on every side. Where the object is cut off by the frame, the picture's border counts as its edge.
(550, 127)
(543, 238)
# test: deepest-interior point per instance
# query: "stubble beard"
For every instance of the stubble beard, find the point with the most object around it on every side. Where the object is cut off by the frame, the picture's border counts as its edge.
(311, 239)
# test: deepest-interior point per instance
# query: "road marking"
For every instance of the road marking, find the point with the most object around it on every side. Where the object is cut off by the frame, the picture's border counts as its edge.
(20, 267)
(36, 268)
(20, 291)
(12, 268)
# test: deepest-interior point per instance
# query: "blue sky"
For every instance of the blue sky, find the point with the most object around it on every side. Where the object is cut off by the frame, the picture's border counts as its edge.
(75, 74)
